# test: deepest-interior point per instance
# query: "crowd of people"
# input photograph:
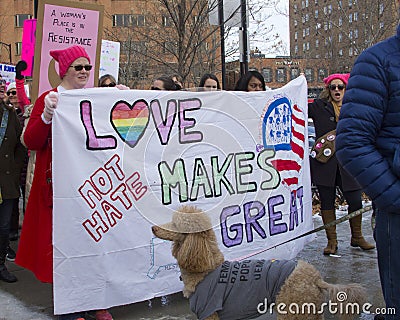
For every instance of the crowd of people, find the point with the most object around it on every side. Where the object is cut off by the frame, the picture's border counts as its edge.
(359, 110)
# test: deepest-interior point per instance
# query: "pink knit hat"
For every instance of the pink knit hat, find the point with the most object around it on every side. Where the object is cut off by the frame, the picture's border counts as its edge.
(65, 57)
(341, 76)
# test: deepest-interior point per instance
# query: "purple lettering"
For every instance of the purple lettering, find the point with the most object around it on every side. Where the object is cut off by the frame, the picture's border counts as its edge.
(251, 220)
(187, 123)
(235, 228)
(94, 142)
(164, 127)
(275, 228)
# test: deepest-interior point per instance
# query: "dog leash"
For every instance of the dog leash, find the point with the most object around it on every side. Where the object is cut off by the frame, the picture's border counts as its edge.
(325, 226)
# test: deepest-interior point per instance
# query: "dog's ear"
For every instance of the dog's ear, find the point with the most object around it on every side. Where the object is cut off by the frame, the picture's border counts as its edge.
(197, 252)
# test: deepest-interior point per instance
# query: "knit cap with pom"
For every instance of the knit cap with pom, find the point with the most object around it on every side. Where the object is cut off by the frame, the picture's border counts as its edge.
(65, 57)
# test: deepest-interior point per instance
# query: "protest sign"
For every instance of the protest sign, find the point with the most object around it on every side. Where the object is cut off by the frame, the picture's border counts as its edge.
(124, 160)
(62, 24)
(109, 58)
(28, 45)
(7, 72)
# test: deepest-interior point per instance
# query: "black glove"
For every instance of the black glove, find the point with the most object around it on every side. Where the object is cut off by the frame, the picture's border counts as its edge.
(21, 66)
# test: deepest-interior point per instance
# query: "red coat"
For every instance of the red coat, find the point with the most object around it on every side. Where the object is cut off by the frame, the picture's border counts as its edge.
(35, 249)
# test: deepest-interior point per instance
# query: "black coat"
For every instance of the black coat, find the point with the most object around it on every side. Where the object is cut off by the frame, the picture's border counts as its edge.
(324, 174)
(12, 154)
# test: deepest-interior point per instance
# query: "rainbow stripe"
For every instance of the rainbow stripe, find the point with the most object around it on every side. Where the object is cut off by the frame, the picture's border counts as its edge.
(130, 122)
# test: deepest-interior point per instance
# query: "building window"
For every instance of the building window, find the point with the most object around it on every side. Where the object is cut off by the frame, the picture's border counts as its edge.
(18, 48)
(139, 46)
(356, 33)
(316, 14)
(20, 18)
(381, 25)
(355, 16)
(340, 37)
(129, 47)
(350, 18)
(340, 21)
(350, 52)
(139, 20)
(294, 73)
(341, 53)
(322, 73)
(317, 43)
(296, 49)
(267, 74)
(169, 47)
(309, 73)
(281, 75)
(167, 21)
(127, 20)
(295, 35)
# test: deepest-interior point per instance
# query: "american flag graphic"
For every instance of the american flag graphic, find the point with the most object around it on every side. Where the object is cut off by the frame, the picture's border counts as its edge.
(284, 128)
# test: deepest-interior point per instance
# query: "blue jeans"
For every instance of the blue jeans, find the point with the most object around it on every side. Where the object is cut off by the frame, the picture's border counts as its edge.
(387, 231)
(6, 209)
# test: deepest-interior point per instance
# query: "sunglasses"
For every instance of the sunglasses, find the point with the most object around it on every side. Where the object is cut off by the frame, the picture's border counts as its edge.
(79, 67)
(2, 82)
(14, 93)
(334, 86)
(111, 84)
(155, 88)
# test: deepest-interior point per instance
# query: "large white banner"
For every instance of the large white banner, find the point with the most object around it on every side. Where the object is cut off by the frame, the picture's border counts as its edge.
(125, 160)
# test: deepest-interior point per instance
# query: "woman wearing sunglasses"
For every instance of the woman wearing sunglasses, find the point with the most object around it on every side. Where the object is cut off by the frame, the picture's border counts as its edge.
(107, 80)
(329, 175)
(35, 251)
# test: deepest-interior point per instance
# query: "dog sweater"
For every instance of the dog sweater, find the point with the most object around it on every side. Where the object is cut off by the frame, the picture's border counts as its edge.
(236, 289)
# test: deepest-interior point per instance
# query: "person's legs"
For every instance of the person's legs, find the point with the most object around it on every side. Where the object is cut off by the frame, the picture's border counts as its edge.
(328, 213)
(14, 222)
(353, 198)
(388, 244)
(5, 215)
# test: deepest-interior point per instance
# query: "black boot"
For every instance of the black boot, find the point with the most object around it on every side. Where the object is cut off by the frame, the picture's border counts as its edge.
(5, 275)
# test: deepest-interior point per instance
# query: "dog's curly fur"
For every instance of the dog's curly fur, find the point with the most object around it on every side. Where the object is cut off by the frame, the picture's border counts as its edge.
(196, 249)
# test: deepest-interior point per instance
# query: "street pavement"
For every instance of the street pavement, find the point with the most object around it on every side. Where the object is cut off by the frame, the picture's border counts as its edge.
(29, 299)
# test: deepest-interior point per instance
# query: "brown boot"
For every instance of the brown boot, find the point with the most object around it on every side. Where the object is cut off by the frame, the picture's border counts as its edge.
(357, 239)
(329, 216)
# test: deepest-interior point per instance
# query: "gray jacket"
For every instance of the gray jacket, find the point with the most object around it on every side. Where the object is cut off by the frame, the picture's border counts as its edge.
(241, 286)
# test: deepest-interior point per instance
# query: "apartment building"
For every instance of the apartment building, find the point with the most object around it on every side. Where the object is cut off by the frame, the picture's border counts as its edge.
(336, 32)
(280, 70)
